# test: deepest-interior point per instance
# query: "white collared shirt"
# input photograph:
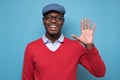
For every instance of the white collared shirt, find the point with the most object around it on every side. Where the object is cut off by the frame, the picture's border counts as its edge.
(53, 46)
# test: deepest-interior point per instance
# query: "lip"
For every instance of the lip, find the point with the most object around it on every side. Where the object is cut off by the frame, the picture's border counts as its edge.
(53, 27)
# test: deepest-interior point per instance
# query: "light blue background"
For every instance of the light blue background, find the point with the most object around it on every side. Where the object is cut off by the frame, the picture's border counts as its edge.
(21, 23)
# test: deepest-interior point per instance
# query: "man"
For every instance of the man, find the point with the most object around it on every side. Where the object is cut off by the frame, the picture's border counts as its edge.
(56, 57)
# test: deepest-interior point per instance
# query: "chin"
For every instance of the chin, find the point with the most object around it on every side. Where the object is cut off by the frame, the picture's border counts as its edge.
(53, 33)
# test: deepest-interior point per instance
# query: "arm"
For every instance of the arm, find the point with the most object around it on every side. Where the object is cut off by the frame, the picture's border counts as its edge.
(27, 73)
(91, 60)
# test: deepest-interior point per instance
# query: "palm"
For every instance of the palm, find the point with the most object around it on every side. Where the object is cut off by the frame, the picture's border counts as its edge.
(87, 33)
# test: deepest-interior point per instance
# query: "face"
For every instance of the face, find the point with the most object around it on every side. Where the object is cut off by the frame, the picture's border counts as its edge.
(53, 22)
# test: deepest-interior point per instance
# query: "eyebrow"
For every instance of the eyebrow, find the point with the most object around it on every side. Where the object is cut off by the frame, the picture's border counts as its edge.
(59, 15)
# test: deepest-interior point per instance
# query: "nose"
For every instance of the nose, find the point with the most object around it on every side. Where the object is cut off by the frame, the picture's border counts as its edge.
(53, 20)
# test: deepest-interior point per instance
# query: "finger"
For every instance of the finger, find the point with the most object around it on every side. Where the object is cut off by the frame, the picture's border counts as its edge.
(94, 27)
(89, 24)
(81, 24)
(85, 20)
(74, 36)
(85, 23)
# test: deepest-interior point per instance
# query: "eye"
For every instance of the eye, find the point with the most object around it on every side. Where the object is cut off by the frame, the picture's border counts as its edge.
(48, 17)
(57, 18)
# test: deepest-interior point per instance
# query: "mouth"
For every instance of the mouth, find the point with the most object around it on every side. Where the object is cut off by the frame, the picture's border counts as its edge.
(53, 27)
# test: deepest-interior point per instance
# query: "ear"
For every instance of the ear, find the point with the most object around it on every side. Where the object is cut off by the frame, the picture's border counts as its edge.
(43, 18)
(63, 19)
(43, 21)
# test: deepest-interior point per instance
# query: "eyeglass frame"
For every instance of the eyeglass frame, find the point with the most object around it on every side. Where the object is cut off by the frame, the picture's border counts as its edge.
(50, 18)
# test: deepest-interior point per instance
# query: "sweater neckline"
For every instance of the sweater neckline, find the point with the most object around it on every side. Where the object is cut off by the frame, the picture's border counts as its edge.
(56, 49)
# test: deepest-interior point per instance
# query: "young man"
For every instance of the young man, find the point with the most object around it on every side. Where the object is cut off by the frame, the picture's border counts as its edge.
(56, 57)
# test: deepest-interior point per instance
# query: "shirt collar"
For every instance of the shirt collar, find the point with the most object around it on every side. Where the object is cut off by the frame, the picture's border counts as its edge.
(46, 40)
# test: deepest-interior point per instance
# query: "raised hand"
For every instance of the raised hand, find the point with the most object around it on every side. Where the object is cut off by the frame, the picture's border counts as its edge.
(87, 34)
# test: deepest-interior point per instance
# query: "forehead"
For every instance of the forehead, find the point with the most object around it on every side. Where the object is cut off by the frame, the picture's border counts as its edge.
(54, 13)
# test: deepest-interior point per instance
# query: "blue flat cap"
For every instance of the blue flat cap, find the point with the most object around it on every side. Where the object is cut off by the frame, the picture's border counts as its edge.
(53, 7)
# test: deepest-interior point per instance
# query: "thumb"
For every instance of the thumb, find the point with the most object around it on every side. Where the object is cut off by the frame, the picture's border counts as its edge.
(74, 36)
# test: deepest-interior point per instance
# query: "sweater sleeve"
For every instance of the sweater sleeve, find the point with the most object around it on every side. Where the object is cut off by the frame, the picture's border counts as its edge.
(27, 72)
(93, 62)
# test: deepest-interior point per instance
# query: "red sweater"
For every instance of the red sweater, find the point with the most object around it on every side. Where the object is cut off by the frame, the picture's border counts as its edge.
(42, 64)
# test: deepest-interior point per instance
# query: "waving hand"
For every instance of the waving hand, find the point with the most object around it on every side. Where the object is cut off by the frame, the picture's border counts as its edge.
(87, 33)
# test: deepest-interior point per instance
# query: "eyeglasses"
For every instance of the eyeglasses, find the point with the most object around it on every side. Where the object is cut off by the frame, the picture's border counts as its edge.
(57, 18)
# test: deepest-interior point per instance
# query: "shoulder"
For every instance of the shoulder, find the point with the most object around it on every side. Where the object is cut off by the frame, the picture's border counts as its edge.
(74, 45)
(72, 42)
(34, 43)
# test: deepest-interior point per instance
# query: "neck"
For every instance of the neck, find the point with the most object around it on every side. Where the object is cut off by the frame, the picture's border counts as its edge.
(53, 37)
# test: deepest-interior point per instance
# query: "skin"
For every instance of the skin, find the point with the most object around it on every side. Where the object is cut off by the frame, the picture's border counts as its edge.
(53, 33)
(87, 34)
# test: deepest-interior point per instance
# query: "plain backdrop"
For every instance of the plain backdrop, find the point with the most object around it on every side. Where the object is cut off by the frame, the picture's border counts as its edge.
(21, 23)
